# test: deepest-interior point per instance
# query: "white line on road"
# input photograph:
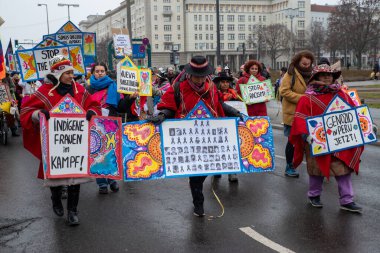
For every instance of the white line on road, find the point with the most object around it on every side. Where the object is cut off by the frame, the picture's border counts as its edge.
(262, 239)
(283, 157)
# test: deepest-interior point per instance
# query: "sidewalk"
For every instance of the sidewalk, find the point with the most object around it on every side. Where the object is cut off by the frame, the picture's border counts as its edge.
(274, 109)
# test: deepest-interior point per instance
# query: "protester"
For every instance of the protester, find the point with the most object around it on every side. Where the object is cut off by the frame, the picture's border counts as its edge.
(224, 84)
(293, 87)
(104, 90)
(171, 75)
(58, 84)
(192, 86)
(320, 91)
(253, 68)
(10, 89)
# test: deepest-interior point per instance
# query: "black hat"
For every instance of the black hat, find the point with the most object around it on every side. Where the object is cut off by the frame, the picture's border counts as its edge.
(199, 66)
(222, 76)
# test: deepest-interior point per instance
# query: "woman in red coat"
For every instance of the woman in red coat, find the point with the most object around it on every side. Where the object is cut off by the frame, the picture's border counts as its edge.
(57, 85)
(253, 67)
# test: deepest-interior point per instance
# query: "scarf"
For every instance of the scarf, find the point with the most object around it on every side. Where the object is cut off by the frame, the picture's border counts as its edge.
(113, 97)
(319, 88)
(63, 89)
(197, 87)
(305, 73)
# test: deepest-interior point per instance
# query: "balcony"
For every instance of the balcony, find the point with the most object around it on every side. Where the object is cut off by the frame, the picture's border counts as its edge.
(167, 13)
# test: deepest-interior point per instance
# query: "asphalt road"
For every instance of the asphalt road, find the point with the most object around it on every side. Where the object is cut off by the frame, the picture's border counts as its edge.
(156, 216)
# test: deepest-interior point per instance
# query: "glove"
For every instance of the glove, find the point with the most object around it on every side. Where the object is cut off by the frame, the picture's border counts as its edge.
(46, 113)
(309, 139)
(89, 114)
(157, 119)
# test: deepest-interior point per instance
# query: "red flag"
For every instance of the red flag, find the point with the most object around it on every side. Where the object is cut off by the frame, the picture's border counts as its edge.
(8, 52)
(2, 63)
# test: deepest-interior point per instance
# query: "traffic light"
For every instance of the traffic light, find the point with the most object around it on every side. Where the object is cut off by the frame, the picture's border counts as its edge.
(16, 44)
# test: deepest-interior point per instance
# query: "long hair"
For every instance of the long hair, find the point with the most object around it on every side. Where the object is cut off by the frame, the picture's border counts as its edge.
(297, 58)
(98, 64)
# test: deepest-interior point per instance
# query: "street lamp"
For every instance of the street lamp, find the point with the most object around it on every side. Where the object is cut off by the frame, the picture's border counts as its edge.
(47, 15)
(68, 7)
(291, 13)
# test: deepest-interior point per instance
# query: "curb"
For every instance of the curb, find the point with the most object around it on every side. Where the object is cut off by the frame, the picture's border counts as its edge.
(281, 127)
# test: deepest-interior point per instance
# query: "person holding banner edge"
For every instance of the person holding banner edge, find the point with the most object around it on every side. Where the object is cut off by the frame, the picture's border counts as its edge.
(322, 88)
(58, 84)
(190, 87)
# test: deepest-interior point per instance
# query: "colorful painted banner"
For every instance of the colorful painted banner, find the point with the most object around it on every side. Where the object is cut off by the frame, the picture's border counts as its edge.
(121, 42)
(353, 93)
(255, 91)
(73, 147)
(341, 127)
(5, 98)
(105, 148)
(131, 79)
(71, 35)
(197, 145)
(12, 61)
(35, 63)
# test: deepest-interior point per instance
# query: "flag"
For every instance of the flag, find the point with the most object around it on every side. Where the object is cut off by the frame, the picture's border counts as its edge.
(2, 63)
(8, 52)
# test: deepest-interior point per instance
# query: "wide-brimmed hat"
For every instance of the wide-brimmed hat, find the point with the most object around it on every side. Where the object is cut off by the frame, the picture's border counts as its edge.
(222, 76)
(199, 66)
(324, 68)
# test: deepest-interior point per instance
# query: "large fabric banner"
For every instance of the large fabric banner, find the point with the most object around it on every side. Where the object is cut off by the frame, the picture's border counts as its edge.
(197, 145)
(341, 127)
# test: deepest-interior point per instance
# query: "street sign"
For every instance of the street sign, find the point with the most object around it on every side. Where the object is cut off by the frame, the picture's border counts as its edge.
(136, 52)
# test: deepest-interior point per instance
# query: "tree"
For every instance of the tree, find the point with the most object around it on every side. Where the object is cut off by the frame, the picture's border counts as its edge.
(102, 50)
(276, 37)
(357, 22)
(317, 38)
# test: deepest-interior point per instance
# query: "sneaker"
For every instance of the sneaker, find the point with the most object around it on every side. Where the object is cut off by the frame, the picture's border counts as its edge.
(199, 211)
(290, 171)
(114, 186)
(103, 190)
(233, 178)
(316, 201)
(352, 207)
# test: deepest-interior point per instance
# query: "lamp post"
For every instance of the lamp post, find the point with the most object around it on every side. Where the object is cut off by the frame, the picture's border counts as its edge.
(218, 57)
(291, 14)
(47, 15)
(68, 7)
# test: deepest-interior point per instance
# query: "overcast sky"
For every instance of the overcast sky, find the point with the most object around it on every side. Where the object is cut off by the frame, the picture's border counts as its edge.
(26, 21)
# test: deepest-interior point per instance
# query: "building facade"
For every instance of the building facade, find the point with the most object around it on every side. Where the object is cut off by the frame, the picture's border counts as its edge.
(189, 27)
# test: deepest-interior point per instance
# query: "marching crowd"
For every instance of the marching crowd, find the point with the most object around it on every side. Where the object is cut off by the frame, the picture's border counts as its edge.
(305, 89)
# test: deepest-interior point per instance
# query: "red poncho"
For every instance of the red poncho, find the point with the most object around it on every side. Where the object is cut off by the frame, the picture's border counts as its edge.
(41, 100)
(259, 109)
(230, 95)
(189, 98)
(313, 105)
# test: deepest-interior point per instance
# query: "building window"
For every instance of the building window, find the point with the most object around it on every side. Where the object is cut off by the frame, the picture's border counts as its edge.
(167, 8)
(221, 46)
(155, 17)
(156, 46)
(301, 23)
(207, 46)
(206, 17)
(179, 36)
(195, 36)
(211, 36)
(195, 17)
(241, 27)
(211, 27)
(301, 4)
(200, 36)
(195, 27)
(301, 14)
(264, 18)
(230, 27)
(155, 27)
(221, 18)
(206, 36)
(301, 34)
(167, 19)
(206, 27)
(231, 36)
(200, 27)
(167, 28)
(167, 1)
(221, 27)
(212, 45)
(241, 36)
(178, 8)
(259, 18)
(200, 17)
(222, 36)
(211, 18)
(167, 37)
(249, 18)
(155, 8)
(241, 18)
(178, 27)
(196, 46)
(168, 47)
(156, 36)
(178, 18)
(253, 18)
(230, 18)
(231, 45)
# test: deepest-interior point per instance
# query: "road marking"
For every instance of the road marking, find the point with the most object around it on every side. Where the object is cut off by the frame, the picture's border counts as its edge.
(262, 239)
(283, 157)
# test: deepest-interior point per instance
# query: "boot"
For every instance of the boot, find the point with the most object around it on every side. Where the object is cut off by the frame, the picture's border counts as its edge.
(56, 193)
(72, 204)
(290, 171)
(14, 132)
(198, 199)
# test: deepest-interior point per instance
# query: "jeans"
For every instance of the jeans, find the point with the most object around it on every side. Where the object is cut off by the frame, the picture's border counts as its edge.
(104, 182)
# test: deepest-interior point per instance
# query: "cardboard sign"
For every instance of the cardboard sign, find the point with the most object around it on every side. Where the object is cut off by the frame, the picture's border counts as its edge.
(255, 91)
(238, 105)
(197, 145)
(339, 130)
(35, 62)
(131, 79)
(121, 42)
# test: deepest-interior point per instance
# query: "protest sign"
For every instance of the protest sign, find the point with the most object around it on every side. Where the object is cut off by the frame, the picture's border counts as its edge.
(35, 62)
(5, 98)
(70, 34)
(131, 79)
(337, 129)
(105, 147)
(12, 62)
(353, 93)
(197, 145)
(255, 91)
(121, 42)
(238, 105)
